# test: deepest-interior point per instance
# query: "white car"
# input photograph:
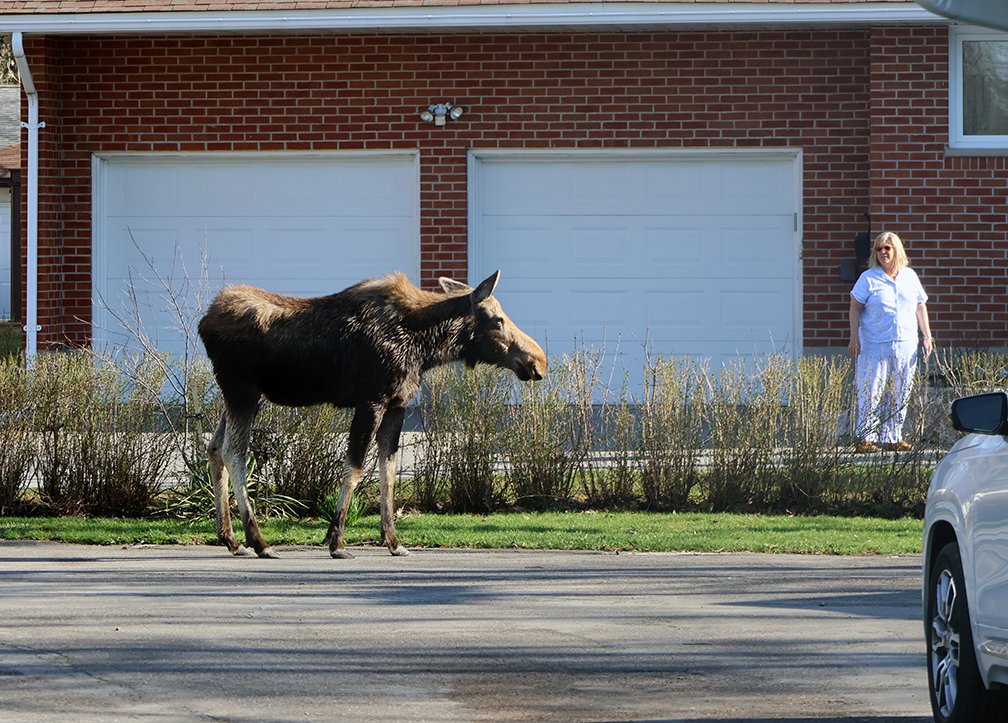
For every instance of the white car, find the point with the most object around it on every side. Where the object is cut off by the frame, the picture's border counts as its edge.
(965, 572)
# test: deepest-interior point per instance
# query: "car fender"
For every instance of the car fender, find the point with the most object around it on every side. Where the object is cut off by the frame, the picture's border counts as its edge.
(948, 502)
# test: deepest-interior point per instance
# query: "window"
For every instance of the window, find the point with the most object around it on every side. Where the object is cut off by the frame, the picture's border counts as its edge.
(978, 88)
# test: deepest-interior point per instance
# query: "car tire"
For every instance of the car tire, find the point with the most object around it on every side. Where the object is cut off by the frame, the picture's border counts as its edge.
(957, 690)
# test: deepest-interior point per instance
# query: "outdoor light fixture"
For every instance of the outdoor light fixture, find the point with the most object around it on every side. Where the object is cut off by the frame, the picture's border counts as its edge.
(440, 112)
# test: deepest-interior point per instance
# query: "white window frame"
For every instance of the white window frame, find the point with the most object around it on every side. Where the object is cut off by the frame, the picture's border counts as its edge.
(957, 138)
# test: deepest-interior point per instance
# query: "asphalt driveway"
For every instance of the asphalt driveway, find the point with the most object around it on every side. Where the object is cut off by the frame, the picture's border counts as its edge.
(190, 633)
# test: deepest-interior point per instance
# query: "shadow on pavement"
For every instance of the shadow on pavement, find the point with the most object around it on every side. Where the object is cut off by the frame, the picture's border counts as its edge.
(817, 719)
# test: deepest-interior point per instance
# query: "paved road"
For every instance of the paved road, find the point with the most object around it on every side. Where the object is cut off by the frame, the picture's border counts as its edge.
(189, 633)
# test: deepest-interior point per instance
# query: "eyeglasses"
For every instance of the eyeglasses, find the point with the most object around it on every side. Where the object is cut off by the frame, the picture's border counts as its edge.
(883, 248)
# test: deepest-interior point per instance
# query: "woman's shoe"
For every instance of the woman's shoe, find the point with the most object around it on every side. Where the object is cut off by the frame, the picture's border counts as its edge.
(866, 446)
(900, 446)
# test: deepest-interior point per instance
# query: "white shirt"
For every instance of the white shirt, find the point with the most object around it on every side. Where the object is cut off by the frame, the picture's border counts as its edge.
(890, 305)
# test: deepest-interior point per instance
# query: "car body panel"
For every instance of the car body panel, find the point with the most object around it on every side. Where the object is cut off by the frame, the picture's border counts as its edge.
(969, 495)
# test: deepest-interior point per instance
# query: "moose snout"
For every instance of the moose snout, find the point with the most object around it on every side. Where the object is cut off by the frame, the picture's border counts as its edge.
(538, 370)
(531, 360)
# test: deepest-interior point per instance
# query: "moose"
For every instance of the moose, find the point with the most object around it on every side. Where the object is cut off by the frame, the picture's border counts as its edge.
(363, 348)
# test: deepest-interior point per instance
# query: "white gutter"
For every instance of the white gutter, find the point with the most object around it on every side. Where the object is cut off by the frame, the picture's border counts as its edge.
(476, 17)
(31, 326)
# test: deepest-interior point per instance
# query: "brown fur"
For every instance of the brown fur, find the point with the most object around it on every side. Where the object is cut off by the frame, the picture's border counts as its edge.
(258, 306)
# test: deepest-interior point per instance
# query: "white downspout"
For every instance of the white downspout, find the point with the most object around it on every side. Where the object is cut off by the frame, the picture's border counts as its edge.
(31, 326)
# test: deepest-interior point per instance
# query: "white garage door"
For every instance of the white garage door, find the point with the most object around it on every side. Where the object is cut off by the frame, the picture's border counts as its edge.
(305, 225)
(692, 253)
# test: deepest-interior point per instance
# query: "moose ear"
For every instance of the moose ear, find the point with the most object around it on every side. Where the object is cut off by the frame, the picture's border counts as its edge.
(486, 287)
(451, 285)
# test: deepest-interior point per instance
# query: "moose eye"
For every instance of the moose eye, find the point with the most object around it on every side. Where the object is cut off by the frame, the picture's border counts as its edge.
(497, 323)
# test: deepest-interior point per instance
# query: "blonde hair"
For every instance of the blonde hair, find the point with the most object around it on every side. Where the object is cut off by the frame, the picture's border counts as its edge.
(899, 253)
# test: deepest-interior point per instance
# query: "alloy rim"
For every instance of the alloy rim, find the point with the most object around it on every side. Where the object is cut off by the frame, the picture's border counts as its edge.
(944, 646)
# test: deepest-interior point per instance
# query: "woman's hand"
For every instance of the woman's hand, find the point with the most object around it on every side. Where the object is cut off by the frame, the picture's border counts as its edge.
(854, 348)
(928, 345)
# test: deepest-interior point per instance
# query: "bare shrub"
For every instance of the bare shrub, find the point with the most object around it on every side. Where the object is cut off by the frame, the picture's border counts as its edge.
(817, 396)
(98, 450)
(672, 430)
(606, 435)
(473, 422)
(967, 371)
(59, 388)
(745, 432)
(185, 391)
(432, 448)
(539, 440)
(461, 441)
(17, 449)
(616, 481)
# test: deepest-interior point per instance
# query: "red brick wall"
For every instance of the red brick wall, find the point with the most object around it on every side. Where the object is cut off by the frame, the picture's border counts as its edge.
(952, 210)
(818, 90)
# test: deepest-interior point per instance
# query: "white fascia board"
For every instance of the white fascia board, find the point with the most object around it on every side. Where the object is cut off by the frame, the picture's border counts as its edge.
(475, 17)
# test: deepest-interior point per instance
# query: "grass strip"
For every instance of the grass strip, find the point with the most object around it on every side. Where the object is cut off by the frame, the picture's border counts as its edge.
(629, 531)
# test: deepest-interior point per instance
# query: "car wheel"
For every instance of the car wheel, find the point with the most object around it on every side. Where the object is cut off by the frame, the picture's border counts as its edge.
(957, 690)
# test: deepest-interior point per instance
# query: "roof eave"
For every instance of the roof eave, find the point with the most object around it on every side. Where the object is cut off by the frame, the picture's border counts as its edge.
(600, 15)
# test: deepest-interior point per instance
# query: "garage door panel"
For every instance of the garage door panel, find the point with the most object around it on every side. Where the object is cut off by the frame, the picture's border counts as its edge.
(598, 247)
(140, 190)
(695, 255)
(753, 187)
(602, 250)
(517, 184)
(683, 309)
(675, 244)
(532, 309)
(672, 314)
(295, 224)
(753, 314)
(594, 310)
(593, 246)
(761, 244)
(158, 242)
(204, 187)
(522, 243)
(163, 246)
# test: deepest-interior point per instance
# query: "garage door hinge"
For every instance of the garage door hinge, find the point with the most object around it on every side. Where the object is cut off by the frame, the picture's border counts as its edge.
(795, 217)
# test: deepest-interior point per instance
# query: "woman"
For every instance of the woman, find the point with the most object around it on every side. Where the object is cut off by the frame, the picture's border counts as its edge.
(887, 308)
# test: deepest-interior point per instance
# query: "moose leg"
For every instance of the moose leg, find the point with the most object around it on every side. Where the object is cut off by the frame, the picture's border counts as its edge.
(236, 441)
(362, 430)
(388, 445)
(219, 481)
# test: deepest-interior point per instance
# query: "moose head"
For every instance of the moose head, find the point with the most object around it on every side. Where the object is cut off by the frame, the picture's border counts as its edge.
(495, 339)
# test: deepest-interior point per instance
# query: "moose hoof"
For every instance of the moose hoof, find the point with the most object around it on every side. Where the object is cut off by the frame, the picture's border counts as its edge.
(267, 554)
(400, 551)
(242, 551)
(341, 555)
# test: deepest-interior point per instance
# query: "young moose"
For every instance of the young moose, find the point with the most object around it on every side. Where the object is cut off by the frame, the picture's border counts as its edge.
(365, 348)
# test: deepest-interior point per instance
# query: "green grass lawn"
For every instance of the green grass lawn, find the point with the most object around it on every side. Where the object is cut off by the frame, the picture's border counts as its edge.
(631, 531)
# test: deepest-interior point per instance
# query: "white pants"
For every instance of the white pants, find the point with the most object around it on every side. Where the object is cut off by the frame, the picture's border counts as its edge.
(884, 380)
